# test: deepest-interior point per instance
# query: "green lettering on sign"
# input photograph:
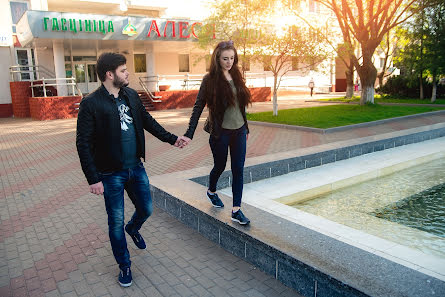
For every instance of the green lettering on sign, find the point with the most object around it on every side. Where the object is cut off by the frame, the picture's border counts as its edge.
(110, 26)
(45, 23)
(63, 24)
(87, 25)
(73, 27)
(76, 25)
(102, 27)
(55, 25)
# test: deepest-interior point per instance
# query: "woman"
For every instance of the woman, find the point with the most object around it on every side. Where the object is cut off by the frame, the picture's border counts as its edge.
(224, 92)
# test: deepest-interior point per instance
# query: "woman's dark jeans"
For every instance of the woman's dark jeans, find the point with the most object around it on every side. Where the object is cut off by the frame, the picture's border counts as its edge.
(236, 141)
(135, 182)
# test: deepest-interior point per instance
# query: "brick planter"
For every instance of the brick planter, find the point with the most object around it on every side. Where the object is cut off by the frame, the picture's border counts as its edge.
(20, 93)
(5, 110)
(182, 99)
(51, 108)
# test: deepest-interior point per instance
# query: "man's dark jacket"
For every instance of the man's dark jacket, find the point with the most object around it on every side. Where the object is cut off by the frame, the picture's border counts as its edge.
(98, 137)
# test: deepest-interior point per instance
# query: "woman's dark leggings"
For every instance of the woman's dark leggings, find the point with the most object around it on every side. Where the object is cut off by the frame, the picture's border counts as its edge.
(236, 141)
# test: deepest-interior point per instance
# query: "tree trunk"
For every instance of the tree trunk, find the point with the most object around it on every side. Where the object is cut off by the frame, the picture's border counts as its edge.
(368, 74)
(433, 95)
(380, 78)
(275, 91)
(350, 82)
(421, 88)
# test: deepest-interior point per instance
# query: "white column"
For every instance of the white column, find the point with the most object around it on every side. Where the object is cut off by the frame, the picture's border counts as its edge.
(59, 66)
(39, 5)
(150, 61)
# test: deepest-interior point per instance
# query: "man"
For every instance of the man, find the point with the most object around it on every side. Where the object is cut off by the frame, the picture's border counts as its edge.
(311, 86)
(110, 143)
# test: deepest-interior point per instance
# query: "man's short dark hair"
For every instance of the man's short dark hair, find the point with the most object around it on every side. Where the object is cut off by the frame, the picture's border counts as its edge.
(109, 62)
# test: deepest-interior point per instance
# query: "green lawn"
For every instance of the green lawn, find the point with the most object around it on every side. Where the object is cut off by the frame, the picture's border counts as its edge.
(388, 99)
(337, 115)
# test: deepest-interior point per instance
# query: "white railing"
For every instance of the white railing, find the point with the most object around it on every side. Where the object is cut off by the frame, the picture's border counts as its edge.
(261, 79)
(175, 81)
(54, 82)
(152, 97)
(34, 72)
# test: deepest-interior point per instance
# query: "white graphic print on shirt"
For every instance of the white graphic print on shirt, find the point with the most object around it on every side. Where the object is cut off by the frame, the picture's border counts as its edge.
(125, 118)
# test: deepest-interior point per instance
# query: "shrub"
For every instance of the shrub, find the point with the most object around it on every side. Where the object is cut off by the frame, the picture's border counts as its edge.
(402, 86)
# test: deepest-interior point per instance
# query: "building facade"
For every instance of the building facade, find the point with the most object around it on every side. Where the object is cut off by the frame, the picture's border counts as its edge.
(63, 39)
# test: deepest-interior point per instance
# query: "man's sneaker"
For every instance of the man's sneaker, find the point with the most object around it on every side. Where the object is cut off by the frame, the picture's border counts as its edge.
(125, 279)
(239, 217)
(214, 199)
(137, 238)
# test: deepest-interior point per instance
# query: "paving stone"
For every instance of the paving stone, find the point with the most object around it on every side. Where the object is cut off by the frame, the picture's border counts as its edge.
(82, 288)
(61, 240)
(99, 289)
(200, 291)
(65, 286)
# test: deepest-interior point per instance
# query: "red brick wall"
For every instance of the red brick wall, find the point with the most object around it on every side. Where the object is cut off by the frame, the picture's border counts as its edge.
(5, 110)
(182, 99)
(20, 93)
(340, 84)
(176, 99)
(51, 108)
(261, 94)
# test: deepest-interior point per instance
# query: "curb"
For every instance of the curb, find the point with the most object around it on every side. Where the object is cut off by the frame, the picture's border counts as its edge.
(348, 127)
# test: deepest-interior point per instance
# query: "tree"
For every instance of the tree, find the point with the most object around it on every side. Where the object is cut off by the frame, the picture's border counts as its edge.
(239, 21)
(296, 49)
(276, 45)
(367, 22)
(344, 53)
(422, 54)
(388, 47)
(435, 44)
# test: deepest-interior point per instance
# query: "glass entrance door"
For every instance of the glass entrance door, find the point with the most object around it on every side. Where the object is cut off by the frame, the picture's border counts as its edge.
(25, 57)
(86, 76)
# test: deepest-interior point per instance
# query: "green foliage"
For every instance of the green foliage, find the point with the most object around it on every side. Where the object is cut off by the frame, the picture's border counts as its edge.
(409, 86)
(240, 21)
(423, 42)
(337, 115)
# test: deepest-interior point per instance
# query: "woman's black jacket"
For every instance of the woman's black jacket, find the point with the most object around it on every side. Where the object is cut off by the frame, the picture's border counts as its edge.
(213, 124)
(98, 137)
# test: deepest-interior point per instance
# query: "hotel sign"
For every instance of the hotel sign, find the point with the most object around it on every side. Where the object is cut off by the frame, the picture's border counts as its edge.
(62, 25)
(77, 25)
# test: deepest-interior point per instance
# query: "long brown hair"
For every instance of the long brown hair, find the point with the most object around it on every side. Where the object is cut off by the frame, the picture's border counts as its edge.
(219, 88)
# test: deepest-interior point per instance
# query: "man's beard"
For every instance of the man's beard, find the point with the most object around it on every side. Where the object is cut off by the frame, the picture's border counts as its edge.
(119, 83)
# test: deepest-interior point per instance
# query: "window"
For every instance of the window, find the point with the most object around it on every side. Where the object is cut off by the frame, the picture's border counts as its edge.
(184, 65)
(17, 11)
(295, 63)
(245, 63)
(382, 62)
(294, 4)
(314, 6)
(208, 59)
(140, 63)
(68, 70)
(267, 63)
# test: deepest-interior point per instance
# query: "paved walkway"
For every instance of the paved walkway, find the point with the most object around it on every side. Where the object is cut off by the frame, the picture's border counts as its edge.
(53, 233)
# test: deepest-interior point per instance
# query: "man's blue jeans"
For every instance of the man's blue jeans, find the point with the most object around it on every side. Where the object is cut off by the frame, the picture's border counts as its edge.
(135, 182)
(235, 140)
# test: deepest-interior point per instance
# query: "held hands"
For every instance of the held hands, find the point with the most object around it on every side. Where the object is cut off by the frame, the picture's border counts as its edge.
(97, 188)
(182, 141)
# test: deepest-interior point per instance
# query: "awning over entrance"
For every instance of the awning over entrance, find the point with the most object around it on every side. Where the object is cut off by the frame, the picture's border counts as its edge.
(73, 26)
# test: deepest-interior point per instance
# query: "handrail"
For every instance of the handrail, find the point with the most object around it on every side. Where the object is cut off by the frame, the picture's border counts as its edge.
(183, 79)
(72, 83)
(152, 97)
(37, 70)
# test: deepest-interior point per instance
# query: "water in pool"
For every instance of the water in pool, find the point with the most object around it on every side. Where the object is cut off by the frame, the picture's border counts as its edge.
(407, 207)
